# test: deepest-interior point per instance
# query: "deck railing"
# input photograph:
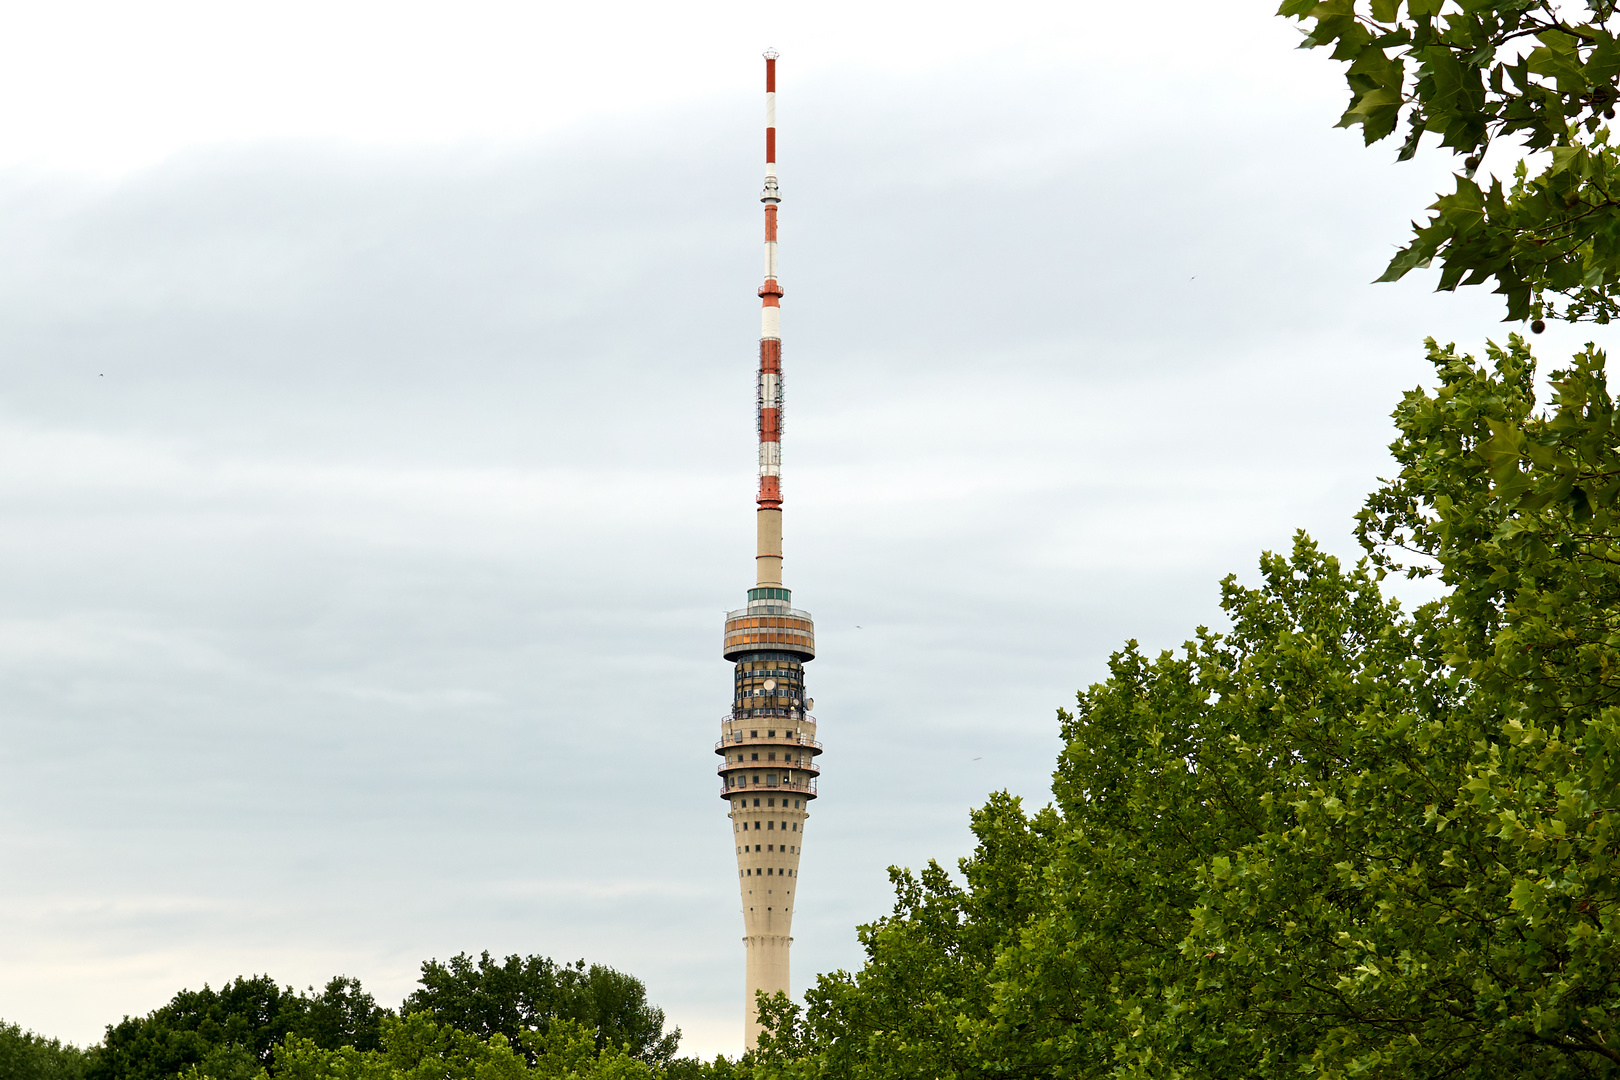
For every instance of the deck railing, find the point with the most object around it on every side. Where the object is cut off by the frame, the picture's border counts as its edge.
(806, 788)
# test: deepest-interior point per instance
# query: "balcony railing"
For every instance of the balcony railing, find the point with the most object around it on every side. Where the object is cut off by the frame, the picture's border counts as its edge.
(780, 740)
(772, 611)
(807, 788)
(744, 712)
(765, 766)
(763, 710)
(799, 714)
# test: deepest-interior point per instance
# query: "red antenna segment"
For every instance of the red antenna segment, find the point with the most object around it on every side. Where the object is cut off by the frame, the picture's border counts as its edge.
(770, 335)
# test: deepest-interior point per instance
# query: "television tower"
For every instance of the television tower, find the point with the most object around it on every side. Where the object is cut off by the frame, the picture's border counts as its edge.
(768, 741)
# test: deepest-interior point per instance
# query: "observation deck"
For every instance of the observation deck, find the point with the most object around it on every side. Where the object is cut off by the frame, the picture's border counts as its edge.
(769, 626)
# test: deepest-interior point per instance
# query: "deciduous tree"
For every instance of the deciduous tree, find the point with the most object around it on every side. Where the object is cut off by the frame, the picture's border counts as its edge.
(1489, 82)
(519, 995)
(232, 1032)
(26, 1056)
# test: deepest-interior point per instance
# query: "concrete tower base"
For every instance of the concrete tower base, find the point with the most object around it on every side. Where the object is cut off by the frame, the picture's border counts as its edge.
(768, 972)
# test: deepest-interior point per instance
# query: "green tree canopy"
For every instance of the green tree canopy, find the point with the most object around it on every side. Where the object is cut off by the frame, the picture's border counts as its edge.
(1542, 77)
(519, 995)
(417, 1047)
(233, 1031)
(26, 1056)
(1339, 839)
(236, 1031)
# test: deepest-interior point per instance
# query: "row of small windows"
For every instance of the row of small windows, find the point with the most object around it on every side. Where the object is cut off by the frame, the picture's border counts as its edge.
(767, 872)
(742, 804)
(771, 756)
(770, 826)
(736, 781)
(769, 847)
(769, 592)
(768, 674)
(772, 662)
(737, 735)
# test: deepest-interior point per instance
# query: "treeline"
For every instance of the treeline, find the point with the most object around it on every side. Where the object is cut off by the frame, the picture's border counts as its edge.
(484, 1018)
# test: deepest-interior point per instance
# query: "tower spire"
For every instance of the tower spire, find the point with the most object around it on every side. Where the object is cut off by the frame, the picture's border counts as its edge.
(768, 741)
(769, 394)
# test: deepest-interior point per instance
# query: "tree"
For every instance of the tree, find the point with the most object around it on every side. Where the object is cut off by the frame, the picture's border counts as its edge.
(520, 995)
(930, 967)
(232, 1032)
(690, 1068)
(236, 1031)
(26, 1056)
(416, 1047)
(1339, 839)
(242, 1021)
(1542, 75)
(342, 1014)
(1062, 951)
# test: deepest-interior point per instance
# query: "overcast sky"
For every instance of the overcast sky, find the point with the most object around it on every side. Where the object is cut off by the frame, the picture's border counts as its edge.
(376, 449)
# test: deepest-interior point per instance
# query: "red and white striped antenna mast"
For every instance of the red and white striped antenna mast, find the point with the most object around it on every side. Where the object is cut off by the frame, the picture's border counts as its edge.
(770, 340)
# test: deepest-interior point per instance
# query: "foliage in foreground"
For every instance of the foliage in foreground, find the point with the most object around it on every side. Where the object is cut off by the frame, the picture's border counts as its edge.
(1544, 77)
(417, 1047)
(1337, 840)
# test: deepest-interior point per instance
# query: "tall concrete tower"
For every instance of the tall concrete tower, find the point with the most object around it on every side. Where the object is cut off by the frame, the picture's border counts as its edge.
(768, 741)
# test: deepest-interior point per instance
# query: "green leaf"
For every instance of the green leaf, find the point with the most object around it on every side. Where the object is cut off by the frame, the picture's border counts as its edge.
(1563, 157)
(1407, 259)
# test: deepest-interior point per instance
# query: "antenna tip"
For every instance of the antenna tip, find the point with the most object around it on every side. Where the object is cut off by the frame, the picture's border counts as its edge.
(771, 54)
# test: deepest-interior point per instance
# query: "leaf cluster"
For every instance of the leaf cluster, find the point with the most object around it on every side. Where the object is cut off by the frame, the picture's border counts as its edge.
(417, 1046)
(1545, 76)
